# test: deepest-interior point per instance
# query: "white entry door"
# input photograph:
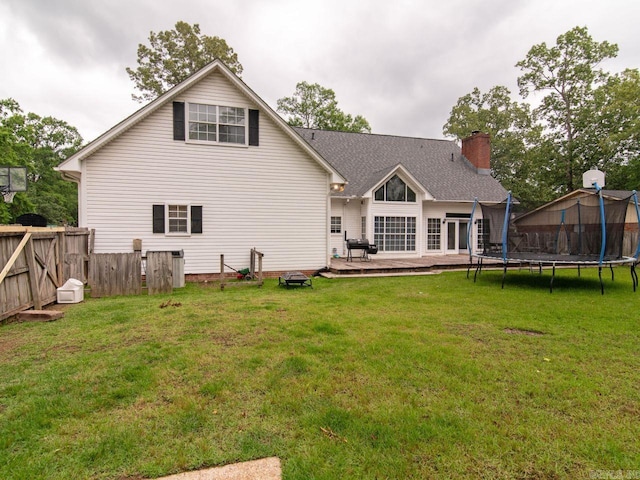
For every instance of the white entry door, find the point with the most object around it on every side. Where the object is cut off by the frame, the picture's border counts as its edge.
(456, 236)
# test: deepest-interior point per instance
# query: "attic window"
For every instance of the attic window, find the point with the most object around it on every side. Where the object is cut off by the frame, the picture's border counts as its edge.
(395, 190)
(212, 123)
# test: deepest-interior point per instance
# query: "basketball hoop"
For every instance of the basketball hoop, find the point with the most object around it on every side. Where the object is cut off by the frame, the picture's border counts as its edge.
(8, 196)
(12, 180)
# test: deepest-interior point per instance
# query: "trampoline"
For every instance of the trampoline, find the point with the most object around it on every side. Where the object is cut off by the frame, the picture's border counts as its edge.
(587, 231)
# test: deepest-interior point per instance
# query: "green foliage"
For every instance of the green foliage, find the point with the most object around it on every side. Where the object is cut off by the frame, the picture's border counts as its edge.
(40, 144)
(512, 130)
(567, 75)
(612, 138)
(585, 118)
(313, 106)
(173, 55)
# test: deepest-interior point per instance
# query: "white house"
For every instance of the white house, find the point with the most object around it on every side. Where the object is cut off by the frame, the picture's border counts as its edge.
(209, 168)
(412, 197)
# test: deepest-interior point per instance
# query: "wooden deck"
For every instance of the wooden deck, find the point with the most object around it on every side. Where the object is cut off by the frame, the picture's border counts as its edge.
(400, 266)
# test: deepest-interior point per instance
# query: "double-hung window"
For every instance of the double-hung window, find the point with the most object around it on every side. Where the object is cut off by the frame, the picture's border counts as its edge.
(177, 219)
(213, 123)
(336, 224)
(178, 216)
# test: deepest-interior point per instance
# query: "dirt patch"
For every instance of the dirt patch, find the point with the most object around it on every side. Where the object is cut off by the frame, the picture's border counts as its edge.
(519, 331)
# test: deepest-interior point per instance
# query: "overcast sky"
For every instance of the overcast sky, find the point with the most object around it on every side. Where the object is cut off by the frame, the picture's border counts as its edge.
(402, 64)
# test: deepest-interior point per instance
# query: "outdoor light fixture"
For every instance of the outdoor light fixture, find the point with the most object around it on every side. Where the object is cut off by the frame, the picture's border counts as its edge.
(337, 187)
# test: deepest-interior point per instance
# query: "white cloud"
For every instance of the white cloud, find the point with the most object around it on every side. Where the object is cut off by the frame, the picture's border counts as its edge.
(401, 64)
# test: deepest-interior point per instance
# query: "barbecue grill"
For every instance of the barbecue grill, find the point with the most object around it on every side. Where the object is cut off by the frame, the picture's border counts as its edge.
(360, 244)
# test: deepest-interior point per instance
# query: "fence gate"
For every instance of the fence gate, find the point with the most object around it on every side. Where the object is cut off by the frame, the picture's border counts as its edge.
(34, 265)
(115, 274)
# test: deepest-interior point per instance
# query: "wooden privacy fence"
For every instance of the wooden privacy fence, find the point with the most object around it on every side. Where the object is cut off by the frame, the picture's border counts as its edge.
(115, 274)
(121, 273)
(36, 261)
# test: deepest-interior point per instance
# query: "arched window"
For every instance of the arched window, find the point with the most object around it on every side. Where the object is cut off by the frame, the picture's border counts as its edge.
(395, 190)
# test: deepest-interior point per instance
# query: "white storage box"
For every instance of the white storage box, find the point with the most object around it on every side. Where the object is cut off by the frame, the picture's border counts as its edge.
(71, 292)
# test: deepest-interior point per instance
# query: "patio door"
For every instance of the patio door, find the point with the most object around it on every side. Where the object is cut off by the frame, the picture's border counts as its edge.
(457, 231)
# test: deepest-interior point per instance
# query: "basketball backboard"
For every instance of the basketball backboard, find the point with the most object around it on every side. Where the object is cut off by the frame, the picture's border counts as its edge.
(593, 177)
(12, 180)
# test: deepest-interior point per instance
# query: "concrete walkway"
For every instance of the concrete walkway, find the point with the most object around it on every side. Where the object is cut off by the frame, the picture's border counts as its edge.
(263, 469)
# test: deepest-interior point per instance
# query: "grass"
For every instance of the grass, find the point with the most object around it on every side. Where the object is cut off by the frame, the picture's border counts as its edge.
(415, 377)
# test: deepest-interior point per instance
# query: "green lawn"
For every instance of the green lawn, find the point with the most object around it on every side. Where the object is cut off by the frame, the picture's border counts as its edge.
(415, 377)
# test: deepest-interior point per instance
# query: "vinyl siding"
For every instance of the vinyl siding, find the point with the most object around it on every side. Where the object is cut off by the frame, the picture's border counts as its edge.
(350, 214)
(272, 197)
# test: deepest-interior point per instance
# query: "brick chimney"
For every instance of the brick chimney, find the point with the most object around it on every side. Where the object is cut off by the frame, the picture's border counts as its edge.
(477, 149)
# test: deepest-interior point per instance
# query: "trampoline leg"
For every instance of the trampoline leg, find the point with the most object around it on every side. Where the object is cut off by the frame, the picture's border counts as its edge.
(600, 277)
(611, 267)
(478, 268)
(504, 274)
(578, 271)
(553, 275)
(634, 276)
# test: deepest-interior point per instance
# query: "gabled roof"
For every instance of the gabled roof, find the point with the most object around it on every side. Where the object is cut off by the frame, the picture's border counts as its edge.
(437, 165)
(581, 192)
(71, 166)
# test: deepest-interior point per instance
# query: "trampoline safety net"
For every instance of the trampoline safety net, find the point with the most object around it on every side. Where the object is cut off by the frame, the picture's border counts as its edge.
(570, 232)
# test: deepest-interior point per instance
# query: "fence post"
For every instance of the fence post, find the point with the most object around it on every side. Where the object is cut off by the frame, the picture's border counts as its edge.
(221, 271)
(61, 253)
(33, 274)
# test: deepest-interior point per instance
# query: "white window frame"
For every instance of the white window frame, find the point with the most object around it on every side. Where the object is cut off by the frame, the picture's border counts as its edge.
(434, 238)
(407, 189)
(168, 218)
(482, 228)
(217, 125)
(336, 221)
(389, 229)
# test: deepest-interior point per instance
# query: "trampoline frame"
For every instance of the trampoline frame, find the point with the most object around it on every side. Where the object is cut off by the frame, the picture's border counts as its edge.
(553, 260)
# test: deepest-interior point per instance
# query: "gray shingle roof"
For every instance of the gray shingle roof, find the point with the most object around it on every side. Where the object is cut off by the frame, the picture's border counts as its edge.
(365, 159)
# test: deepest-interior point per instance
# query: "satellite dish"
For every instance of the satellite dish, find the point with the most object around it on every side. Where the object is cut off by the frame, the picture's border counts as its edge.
(593, 177)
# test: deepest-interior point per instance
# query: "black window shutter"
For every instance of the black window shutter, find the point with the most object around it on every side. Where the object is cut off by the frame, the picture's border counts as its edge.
(196, 219)
(178, 121)
(158, 219)
(254, 127)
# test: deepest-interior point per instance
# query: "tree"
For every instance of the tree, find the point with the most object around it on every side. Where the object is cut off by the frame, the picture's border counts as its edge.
(511, 129)
(586, 117)
(40, 144)
(567, 73)
(173, 55)
(612, 137)
(313, 106)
